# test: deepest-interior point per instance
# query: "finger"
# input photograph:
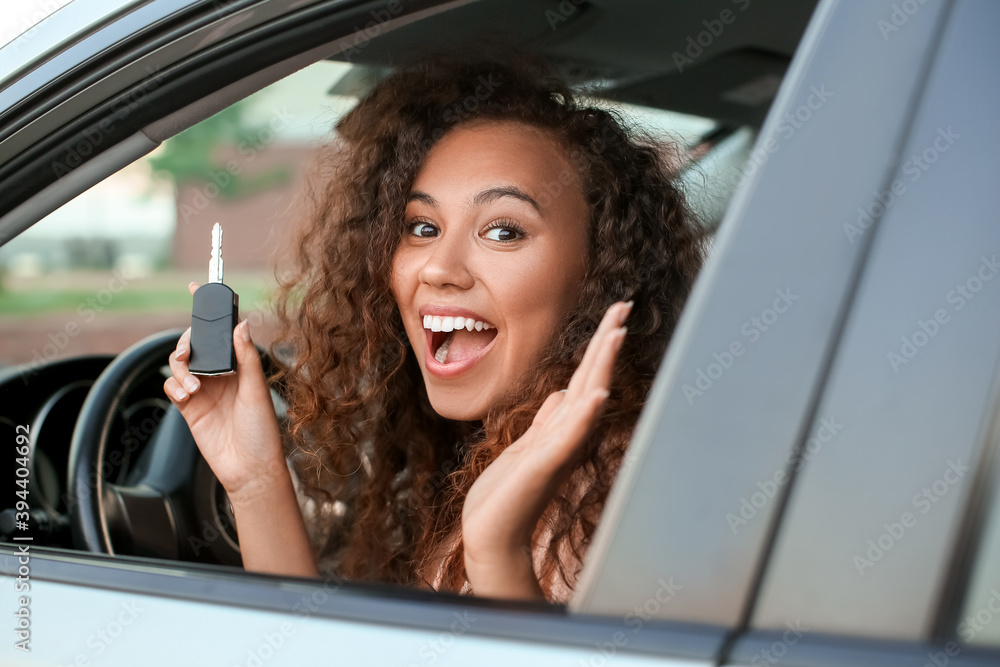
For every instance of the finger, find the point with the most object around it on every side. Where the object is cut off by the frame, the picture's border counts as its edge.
(179, 365)
(193, 287)
(567, 433)
(599, 373)
(174, 391)
(614, 315)
(583, 370)
(183, 348)
(604, 362)
(247, 357)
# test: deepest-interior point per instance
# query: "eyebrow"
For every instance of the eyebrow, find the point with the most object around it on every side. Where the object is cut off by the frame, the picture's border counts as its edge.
(484, 197)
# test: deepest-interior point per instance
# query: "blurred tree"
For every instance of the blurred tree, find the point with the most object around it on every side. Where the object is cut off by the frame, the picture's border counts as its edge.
(193, 155)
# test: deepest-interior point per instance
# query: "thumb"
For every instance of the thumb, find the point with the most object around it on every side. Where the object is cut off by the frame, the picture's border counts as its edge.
(247, 357)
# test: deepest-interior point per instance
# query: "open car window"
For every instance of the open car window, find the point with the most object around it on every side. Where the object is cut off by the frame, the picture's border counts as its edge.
(111, 266)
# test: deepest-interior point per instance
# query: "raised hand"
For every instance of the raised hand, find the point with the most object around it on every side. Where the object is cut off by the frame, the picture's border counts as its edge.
(504, 504)
(231, 417)
(233, 422)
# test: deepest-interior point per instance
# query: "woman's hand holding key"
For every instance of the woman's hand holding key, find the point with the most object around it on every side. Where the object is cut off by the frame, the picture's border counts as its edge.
(231, 417)
(233, 422)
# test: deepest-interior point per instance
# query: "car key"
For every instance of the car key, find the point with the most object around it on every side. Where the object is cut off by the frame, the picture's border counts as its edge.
(214, 315)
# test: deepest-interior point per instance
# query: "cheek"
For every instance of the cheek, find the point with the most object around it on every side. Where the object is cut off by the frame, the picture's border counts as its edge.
(535, 306)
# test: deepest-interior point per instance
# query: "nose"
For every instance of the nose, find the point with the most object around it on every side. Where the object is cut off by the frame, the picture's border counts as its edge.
(448, 263)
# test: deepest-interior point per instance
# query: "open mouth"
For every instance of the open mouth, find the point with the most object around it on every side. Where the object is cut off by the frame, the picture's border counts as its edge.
(454, 340)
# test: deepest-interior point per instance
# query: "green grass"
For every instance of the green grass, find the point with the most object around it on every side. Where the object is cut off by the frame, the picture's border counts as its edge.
(36, 302)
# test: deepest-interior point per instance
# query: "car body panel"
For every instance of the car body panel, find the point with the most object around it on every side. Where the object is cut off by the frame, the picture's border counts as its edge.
(913, 371)
(780, 257)
(87, 592)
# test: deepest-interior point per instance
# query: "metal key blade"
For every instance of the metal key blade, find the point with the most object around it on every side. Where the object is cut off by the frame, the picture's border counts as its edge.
(215, 264)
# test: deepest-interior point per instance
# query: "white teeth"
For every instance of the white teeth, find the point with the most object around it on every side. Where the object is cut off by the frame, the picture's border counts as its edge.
(438, 323)
(442, 354)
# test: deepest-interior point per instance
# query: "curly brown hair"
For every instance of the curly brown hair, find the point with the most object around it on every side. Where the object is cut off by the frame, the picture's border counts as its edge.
(362, 432)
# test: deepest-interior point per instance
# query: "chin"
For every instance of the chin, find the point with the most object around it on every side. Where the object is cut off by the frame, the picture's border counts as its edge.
(456, 409)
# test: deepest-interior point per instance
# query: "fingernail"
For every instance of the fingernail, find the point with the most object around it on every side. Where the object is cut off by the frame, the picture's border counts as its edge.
(621, 337)
(191, 384)
(180, 394)
(181, 350)
(563, 390)
(626, 310)
(245, 330)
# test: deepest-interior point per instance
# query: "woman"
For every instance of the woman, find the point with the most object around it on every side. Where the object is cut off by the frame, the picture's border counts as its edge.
(463, 389)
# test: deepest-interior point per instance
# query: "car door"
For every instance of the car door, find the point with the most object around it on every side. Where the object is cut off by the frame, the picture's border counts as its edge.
(867, 406)
(887, 551)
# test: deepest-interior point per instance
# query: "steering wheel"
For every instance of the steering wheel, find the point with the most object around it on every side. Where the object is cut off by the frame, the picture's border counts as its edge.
(171, 505)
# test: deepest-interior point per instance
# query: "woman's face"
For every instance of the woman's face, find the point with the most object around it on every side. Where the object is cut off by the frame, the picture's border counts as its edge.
(492, 259)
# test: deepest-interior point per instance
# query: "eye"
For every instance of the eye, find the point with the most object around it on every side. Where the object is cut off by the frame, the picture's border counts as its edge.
(423, 229)
(504, 231)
